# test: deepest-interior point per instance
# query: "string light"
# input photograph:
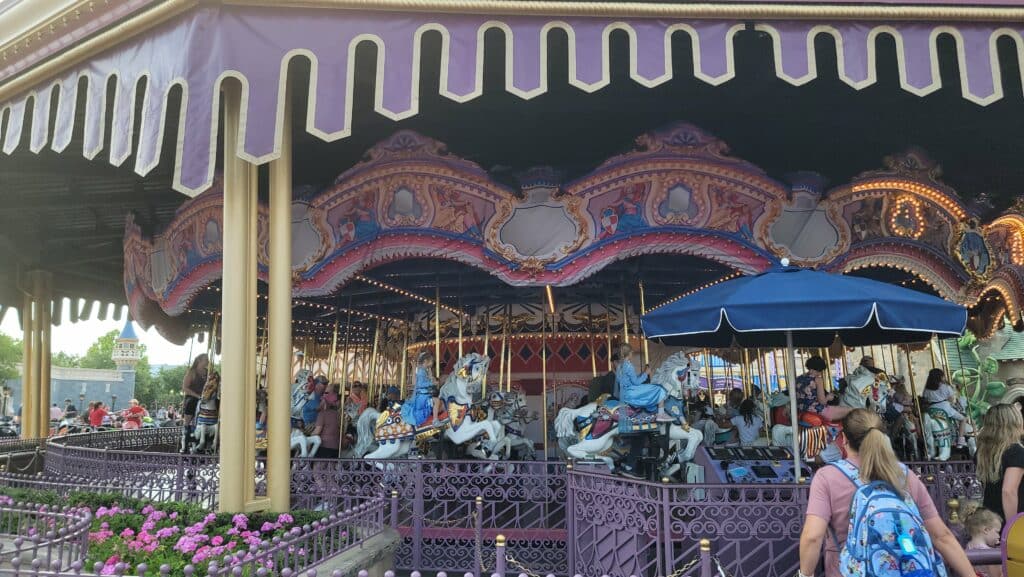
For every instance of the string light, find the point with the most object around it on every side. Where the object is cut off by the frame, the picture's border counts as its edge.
(328, 308)
(730, 276)
(405, 293)
(907, 208)
(928, 192)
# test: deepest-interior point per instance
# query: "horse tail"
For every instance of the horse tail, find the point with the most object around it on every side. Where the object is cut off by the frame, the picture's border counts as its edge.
(364, 430)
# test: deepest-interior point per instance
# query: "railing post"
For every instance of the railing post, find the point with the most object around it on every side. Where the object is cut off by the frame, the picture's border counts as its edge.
(478, 534)
(417, 517)
(499, 556)
(570, 521)
(394, 509)
(705, 558)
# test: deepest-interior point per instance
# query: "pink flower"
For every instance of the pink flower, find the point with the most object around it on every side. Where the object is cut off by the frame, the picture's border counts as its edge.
(267, 527)
(217, 541)
(127, 533)
(240, 521)
(284, 519)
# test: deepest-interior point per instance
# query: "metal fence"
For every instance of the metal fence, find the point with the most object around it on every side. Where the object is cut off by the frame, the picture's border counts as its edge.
(53, 538)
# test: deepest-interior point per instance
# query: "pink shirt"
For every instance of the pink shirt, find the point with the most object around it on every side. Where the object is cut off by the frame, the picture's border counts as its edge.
(830, 497)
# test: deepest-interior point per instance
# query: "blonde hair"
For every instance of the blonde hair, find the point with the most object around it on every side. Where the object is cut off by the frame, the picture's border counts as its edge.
(981, 519)
(1001, 427)
(878, 462)
(625, 351)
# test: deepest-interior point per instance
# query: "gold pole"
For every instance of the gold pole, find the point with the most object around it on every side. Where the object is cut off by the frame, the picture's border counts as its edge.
(460, 333)
(305, 353)
(374, 377)
(487, 350)
(913, 390)
(745, 374)
(828, 368)
(501, 354)
(544, 377)
(711, 384)
(643, 311)
(334, 349)
(437, 332)
(590, 332)
(625, 318)
(764, 393)
(608, 326)
(29, 394)
(278, 343)
(508, 364)
(344, 364)
(211, 347)
(403, 378)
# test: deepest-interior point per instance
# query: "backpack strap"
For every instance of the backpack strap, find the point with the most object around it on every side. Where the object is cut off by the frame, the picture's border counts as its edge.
(853, 474)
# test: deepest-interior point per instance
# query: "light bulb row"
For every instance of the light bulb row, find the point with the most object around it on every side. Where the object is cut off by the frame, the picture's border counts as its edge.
(730, 276)
(926, 191)
(406, 294)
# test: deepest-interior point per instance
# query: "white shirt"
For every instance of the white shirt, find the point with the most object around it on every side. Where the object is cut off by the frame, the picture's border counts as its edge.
(943, 393)
(748, 433)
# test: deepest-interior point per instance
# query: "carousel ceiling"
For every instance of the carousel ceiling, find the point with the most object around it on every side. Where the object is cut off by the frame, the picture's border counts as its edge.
(63, 212)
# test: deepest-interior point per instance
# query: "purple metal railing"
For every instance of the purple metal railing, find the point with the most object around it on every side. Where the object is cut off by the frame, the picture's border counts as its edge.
(56, 538)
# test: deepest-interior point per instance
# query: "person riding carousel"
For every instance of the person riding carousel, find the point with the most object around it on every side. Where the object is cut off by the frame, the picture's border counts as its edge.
(635, 392)
(812, 400)
(940, 395)
(423, 407)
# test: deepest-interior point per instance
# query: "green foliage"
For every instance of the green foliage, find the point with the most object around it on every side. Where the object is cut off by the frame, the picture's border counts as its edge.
(99, 353)
(161, 389)
(62, 359)
(10, 356)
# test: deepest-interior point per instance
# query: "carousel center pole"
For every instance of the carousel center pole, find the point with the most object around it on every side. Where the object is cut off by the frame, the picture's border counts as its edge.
(790, 386)
(279, 324)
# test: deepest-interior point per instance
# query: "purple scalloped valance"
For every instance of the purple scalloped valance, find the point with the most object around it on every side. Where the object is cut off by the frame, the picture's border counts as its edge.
(202, 48)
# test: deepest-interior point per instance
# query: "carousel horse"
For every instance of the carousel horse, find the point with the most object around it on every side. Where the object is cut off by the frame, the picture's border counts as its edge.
(509, 411)
(364, 422)
(206, 430)
(306, 446)
(595, 426)
(395, 438)
(940, 430)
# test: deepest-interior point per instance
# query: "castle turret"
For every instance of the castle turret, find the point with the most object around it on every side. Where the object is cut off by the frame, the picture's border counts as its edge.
(127, 354)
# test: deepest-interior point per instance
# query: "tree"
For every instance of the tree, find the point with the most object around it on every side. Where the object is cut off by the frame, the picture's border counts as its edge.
(99, 353)
(10, 356)
(62, 359)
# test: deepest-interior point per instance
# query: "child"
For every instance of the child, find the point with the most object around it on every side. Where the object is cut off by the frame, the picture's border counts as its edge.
(423, 403)
(983, 527)
(940, 395)
(749, 424)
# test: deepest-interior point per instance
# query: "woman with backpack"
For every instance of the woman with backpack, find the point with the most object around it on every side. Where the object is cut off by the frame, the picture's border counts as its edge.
(873, 515)
(1001, 460)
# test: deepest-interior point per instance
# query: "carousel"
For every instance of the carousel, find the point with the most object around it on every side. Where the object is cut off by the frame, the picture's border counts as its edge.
(462, 219)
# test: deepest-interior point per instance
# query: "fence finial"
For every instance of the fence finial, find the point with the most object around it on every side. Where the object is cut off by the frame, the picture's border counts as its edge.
(705, 544)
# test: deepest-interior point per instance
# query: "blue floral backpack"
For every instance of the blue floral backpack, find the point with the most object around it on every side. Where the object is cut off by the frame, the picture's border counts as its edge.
(886, 536)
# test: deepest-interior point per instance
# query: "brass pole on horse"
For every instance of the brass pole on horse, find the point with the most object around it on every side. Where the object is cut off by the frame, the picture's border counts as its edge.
(374, 377)
(608, 327)
(460, 320)
(913, 393)
(212, 348)
(710, 377)
(829, 380)
(625, 317)
(343, 390)
(764, 395)
(643, 311)
(437, 332)
(508, 364)
(544, 376)
(487, 350)
(404, 364)
(590, 333)
(334, 348)
(501, 352)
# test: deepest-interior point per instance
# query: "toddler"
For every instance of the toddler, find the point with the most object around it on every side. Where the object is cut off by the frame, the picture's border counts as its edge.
(983, 529)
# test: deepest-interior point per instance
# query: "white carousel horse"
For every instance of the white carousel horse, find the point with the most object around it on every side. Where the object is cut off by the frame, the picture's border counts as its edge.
(395, 438)
(597, 437)
(940, 430)
(306, 446)
(365, 421)
(206, 431)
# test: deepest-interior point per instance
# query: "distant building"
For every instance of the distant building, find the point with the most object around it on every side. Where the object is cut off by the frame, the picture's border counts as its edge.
(112, 386)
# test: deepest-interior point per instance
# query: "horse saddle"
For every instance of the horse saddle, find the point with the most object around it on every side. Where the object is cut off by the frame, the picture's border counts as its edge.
(634, 420)
(391, 428)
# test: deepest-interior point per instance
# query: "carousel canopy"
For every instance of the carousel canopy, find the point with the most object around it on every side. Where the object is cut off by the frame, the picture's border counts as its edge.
(814, 306)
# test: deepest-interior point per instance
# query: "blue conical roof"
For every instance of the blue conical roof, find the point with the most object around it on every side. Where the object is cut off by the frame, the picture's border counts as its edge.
(128, 332)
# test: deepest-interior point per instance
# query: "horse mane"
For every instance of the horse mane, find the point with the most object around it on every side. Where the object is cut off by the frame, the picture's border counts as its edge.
(666, 373)
(209, 390)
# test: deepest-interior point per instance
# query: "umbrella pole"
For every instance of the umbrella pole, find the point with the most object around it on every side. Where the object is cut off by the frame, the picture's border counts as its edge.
(791, 385)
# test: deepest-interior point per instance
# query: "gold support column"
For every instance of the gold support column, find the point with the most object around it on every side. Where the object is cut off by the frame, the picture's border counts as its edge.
(238, 322)
(29, 399)
(279, 323)
(487, 349)
(38, 424)
(44, 281)
(643, 311)
(544, 377)
(437, 332)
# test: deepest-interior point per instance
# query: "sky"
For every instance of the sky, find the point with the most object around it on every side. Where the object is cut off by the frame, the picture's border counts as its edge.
(75, 338)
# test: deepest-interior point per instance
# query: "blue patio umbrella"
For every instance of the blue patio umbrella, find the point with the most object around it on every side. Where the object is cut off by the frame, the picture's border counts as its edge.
(791, 306)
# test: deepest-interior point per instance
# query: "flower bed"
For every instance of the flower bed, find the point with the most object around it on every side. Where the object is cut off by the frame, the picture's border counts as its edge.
(130, 532)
